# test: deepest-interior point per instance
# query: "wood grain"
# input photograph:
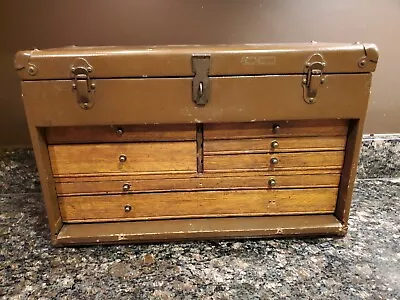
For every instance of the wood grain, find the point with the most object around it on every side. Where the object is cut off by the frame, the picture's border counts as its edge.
(285, 160)
(141, 157)
(130, 133)
(195, 184)
(294, 144)
(265, 129)
(198, 204)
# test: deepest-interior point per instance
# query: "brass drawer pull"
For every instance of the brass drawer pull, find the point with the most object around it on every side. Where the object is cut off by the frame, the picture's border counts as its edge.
(276, 128)
(119, 132)
(126, 187)
(274, 161)
(274, 144)
(127, 208)
(122, 158)
(272, 182)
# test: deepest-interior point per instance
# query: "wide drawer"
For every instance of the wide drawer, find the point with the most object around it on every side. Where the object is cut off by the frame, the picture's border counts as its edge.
(129, 184)
(123, 158)
(275, 161)
(197, 204)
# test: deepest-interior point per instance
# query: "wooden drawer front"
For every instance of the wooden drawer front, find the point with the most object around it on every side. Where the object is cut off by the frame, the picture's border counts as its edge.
(303, 160)
(274, 145)
(131, 185)
(128, 133)
(197, 204)
(140, 157)
(270, 129)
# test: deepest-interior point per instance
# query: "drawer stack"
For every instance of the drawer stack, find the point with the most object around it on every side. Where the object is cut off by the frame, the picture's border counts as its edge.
(149, 172)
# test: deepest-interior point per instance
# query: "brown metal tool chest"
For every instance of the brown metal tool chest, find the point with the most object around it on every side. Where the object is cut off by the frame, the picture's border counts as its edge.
(196, 142)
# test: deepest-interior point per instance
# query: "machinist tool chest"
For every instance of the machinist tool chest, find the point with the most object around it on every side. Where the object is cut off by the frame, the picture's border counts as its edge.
(196, 142)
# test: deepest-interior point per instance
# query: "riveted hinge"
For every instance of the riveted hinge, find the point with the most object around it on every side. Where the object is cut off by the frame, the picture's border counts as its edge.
(201, 81)
(82, 83)
(313, 77)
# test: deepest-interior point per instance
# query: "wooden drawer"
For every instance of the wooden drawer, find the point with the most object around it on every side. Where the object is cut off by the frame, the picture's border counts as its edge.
(197, 204)
(275, 129)
(123, 133)
(129, 184)
(108, 158)
(281, 144)
(301, 160)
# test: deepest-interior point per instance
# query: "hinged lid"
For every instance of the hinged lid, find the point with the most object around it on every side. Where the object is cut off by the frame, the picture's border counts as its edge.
(182, 61)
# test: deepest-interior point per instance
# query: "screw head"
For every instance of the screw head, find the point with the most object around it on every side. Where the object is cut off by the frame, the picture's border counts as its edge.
(127, 208)
(276, 128)
(119, 132)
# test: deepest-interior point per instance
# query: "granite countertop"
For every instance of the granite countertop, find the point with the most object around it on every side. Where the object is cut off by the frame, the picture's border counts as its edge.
(363, 265)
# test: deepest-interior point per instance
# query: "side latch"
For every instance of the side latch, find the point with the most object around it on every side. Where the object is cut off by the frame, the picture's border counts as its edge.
(201, 81)
(82, 83)
(313, 77)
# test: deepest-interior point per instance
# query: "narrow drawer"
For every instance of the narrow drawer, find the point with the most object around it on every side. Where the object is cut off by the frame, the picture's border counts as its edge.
(197, 204)
(123, 133)
(275, 161)
(134, 185)
(123, 158)
(275, 129)
(281, 144)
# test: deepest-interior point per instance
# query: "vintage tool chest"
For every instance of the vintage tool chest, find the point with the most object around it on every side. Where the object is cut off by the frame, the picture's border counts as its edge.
(196, 142)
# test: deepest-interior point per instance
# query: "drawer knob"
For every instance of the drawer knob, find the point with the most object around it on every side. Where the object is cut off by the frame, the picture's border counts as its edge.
(276, 128)
(122, 158)
(274, 161)
(127, 208)
(272, 182)
(274, 144)
(126, 187)
(119, 132)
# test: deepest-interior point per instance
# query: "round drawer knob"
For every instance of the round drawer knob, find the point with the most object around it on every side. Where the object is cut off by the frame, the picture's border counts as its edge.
(276, 128)
(272, 182)
(274, 144)
(122, 158)
(119, 132)
(127, 208)
(274, 161)
(126, 187)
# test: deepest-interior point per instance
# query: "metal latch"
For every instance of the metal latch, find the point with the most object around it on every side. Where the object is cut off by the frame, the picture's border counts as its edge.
(313, 77)
(82, 83)
(201, 81)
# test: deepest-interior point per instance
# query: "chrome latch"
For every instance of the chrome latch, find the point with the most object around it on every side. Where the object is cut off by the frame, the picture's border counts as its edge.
(313, 77)
(201, 81)
(82, 83)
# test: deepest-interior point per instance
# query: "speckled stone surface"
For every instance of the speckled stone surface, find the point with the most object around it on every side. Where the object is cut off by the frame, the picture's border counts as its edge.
(363, 265)
(18, 173)
(380, 156)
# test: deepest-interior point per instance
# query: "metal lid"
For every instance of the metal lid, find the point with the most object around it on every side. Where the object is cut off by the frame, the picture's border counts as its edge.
(175, 61)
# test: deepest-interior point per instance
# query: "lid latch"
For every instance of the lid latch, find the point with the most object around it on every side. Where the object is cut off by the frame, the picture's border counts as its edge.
(313, 77)
(201, 81)
(82, 83)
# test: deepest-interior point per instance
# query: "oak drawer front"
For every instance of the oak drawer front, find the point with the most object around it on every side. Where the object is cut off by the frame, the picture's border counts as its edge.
(117, 134)
(280, 144)
(197, 204)
(123, 158)
(275, 161)
(275, 129)
(132, 185)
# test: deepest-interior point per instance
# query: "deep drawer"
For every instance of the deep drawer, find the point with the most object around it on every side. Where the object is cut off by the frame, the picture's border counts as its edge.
(123, 158)
(197, 204)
